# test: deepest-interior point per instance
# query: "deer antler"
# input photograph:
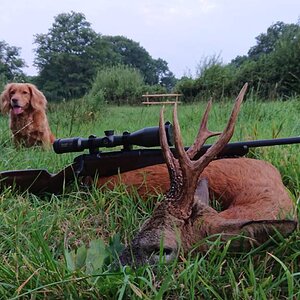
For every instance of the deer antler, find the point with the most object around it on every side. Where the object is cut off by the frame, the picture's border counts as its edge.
(203, 134)
(184, 172)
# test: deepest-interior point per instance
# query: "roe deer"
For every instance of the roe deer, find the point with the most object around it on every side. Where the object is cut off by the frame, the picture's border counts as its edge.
(253, 198)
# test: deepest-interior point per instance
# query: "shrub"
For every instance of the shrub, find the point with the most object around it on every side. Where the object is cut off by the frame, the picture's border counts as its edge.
(213, 80)
(118, 85)
(154, 89)
(3, 81)
(187, 87)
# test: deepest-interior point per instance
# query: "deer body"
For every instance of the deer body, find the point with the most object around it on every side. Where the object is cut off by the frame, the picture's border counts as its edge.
(253, 198)
(245, 188)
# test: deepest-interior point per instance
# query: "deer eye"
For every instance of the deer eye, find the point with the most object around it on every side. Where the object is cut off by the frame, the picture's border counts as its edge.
(165, 251)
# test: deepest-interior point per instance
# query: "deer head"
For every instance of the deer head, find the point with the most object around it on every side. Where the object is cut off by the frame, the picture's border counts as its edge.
(173, 222)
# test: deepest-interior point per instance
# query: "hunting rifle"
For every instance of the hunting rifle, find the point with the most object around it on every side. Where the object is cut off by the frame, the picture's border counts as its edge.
(98, 163)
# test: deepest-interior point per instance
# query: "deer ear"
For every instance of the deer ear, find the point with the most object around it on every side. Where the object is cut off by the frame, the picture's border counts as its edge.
(258, 232)
(201, 193)
(201, 199)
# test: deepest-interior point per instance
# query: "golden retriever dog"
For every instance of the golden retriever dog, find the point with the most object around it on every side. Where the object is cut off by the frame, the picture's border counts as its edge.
(27, 108)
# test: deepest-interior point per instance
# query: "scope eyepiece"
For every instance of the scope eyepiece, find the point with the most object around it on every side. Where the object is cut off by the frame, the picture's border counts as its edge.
(145, 137)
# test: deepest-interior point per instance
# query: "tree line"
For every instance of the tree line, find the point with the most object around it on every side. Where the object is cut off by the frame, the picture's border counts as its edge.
(73, 60)
(271, 67)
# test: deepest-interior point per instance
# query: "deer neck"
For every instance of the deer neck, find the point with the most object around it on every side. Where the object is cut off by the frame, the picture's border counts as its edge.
(198, 228)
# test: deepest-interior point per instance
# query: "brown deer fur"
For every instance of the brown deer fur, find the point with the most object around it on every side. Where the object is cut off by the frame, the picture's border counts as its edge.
(254, 202)
(244, 187)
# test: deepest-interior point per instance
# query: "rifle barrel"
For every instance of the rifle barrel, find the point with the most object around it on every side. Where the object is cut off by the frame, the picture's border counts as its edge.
(241, 148)
(265, 143)
(110, 163)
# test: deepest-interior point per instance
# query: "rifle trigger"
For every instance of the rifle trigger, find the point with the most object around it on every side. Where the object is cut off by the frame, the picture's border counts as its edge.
(79, 166)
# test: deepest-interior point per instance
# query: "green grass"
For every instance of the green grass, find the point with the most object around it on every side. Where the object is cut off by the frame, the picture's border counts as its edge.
(52, 247)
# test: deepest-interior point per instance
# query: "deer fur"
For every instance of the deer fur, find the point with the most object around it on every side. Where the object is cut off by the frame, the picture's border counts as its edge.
(254, 202)
(249, 191)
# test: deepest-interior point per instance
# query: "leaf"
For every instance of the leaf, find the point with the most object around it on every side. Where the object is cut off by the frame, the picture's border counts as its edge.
(95, 256)
(81, 255)
(115, 245)
(70, 260)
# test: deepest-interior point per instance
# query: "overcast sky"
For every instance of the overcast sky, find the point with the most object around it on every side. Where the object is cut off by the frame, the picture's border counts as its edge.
(182, 32)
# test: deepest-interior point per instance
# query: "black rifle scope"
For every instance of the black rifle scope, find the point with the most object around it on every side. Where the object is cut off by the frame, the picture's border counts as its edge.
(145, 137)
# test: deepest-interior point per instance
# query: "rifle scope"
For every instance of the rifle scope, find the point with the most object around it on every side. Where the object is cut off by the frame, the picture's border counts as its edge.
(145, 137)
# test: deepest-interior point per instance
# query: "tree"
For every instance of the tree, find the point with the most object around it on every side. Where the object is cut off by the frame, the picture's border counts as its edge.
(69, 55)
(273, 64)
(11, 63)
(271, 68)
(155, 71)
(284, 63)
(165, 77)
(266, 42)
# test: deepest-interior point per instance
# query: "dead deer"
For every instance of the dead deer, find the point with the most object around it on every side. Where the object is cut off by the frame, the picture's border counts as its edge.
(254, 200)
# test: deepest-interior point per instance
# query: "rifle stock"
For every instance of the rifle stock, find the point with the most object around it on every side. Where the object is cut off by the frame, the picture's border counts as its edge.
(39, 181)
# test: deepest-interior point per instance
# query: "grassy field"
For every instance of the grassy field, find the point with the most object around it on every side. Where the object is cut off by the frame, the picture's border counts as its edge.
(62, 246)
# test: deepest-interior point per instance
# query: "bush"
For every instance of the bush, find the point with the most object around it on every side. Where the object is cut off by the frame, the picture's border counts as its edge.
(118, 85)
(3, 81)
(187, 87)
(154, 89)
(216, 81)
(213, 80)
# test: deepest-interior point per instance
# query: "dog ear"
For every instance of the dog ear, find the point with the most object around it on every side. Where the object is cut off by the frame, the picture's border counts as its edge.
(5, 99)
(38, 100)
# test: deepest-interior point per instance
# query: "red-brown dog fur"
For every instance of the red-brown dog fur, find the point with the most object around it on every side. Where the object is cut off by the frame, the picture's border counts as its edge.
(27, 108)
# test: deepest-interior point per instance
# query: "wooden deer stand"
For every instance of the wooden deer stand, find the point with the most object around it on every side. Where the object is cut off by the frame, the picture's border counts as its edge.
(159, 97)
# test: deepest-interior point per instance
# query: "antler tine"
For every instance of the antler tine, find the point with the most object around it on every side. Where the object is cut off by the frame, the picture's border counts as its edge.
(203, 134)
(168, 155)
(225, 136)
(183, 158)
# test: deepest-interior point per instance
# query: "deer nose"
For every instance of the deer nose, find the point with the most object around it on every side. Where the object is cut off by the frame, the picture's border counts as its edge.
(167, 254)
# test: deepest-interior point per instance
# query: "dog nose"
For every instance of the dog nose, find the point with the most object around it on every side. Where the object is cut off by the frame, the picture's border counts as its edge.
(14, 100)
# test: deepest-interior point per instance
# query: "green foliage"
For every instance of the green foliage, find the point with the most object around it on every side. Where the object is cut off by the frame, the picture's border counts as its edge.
(187, 87)
(62, 247)
(11, 63)
(214, 80)
(3, 81)
(94, 259)
(118, 85)
(132, 54)
(68, 56)
(153, 89)
(271, 68)
(267, 42)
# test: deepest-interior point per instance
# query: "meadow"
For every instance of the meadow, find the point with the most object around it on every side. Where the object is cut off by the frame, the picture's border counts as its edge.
(62, 246)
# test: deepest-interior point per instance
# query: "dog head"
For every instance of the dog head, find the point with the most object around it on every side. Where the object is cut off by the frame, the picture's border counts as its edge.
(19, 97)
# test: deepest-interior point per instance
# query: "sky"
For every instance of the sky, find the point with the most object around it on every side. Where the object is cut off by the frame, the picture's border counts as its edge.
(182, 32)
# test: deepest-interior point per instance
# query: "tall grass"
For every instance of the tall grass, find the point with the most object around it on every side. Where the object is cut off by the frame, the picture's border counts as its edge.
(52, 246)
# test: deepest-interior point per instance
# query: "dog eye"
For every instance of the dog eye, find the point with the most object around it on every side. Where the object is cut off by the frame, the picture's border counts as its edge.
(25, 92)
